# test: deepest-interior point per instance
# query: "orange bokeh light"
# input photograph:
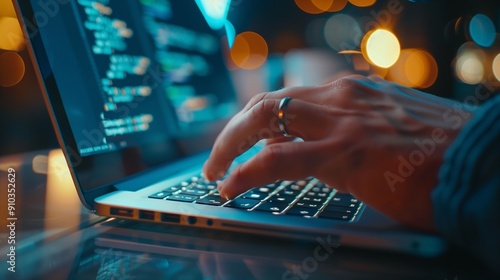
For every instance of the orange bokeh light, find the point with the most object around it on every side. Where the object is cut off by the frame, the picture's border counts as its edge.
(320, 6)
(11, 35)
(249, 50)
(337, 5)
(414, 68)
(12, 69)
(362, 3)
(310, 7)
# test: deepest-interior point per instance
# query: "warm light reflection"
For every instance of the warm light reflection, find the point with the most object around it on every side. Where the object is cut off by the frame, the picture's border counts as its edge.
(14, 73)
(496, 67)
(469, 66)
(381, 48)
(342, 32)
(414, 68)
(362, 3)
(482, 30)
(11, 35)
(60, 194)
(249, 50)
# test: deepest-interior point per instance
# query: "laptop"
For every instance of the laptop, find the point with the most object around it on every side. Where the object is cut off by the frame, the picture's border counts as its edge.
(137, 91)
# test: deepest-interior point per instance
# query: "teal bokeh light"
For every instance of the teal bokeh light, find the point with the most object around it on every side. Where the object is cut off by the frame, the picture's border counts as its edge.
(482, 30)
(215, 13)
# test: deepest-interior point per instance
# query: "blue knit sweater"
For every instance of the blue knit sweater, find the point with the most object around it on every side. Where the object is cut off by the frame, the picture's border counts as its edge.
(467, 199)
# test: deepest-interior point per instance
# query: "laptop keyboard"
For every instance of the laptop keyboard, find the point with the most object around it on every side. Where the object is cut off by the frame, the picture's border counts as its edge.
(309, 198)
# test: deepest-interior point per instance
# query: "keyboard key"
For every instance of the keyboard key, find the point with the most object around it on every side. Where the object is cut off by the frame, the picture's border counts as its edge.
(290, 192)
(302, 183)
(243, 203)
(264, 190)
(194, 192)
(308, 204)
(215, 200)
(172, 189)
(255, 193)
(345, 200)
(301, 211)
(313, 199)
(295, 187)
(272, 206)
(282, 199)
(258, 196)
(336, 215)
(340, 209)
(160, 195)
(183, 197)
(205, 187)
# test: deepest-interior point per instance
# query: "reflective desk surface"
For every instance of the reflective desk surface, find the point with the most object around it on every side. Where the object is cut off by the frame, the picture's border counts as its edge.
(56, 238)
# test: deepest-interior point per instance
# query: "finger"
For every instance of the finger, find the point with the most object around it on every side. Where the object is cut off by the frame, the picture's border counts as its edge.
(302, 119)
(279, 140)
(376, 79)
(283, 161)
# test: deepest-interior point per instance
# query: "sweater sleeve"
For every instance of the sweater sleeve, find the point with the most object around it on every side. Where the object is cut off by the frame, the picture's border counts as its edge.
(466, 200)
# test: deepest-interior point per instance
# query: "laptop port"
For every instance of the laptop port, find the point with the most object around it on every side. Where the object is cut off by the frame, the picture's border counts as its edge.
(121, 212)
(192, 220)
(171, 218)
(146, 215)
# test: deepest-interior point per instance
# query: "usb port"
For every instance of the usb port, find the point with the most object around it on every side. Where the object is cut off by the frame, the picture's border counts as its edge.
(171, 218)
(146, 215)
(121, 212)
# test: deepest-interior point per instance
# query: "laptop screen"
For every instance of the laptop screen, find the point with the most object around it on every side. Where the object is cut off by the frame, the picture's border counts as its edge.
(129, 80)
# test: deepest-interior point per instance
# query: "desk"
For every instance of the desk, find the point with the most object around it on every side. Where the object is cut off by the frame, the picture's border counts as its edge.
(56, 238)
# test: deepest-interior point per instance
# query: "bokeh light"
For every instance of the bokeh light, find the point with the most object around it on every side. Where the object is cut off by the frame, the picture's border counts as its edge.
(309, 7)
(362, 3)
(320, 6)
(7, 9)
(342, 32)
(496, 66)
(414, 68)
(214, 11)
(11, 35)
(337, 5)
(469, 66)
(249, 50)
(12, 69)
(482, 30)
(381, 48)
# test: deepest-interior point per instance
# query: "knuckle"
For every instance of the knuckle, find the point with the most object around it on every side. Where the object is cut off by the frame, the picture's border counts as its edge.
(348, 82)
(238, 174)
(263, 108)
(259, 97)
(273, 155)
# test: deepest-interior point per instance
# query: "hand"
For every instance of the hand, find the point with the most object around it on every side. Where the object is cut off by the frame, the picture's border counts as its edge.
(377, 140)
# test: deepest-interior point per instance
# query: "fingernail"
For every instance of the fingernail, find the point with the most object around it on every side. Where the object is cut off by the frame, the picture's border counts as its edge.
(220, 189)
(214, 175)
(220, 174)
